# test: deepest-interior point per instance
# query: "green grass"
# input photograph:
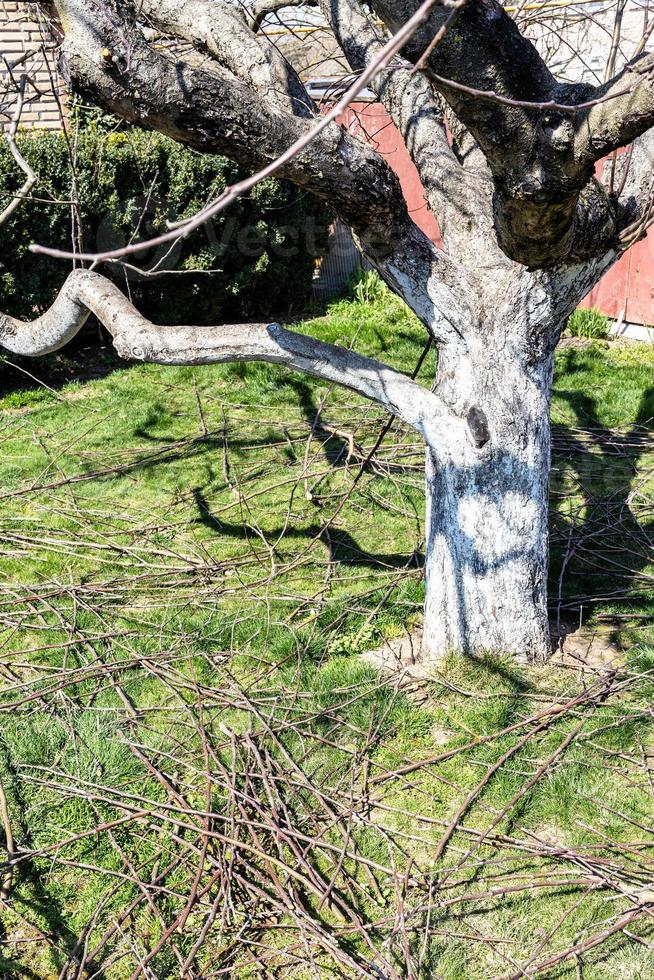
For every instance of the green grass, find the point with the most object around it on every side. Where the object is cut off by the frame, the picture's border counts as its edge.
(588, 324)
(168, 541)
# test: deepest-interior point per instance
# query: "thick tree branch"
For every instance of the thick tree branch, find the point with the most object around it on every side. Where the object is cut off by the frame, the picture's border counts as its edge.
(218, 114)
(445, 296)
(626, 112)
(136, 338)
(458, 199)
(485, 50)
(221, 31)
(548, 207)
(543, 299)
(215, 113)
(633, 181)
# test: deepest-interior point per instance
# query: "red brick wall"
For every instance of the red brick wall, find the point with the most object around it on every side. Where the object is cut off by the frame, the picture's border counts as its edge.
(21, 33)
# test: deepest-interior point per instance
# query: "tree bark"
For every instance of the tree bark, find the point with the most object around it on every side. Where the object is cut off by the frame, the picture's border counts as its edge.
(487, 514)
(516, 185)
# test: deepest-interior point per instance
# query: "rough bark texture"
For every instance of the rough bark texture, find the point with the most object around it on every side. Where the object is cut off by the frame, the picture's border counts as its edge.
(487, 538)
(506, 154)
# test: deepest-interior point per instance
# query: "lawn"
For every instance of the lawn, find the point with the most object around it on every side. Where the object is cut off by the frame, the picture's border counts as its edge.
(201, 775)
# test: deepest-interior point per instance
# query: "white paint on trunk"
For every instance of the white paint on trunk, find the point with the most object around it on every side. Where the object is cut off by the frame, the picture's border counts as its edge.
(486, 427)
(487, 511)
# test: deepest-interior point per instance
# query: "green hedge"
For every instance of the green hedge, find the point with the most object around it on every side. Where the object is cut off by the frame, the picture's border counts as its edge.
(260, 252)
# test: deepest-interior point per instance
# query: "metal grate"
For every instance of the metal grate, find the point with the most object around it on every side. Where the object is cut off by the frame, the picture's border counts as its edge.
(342, 261)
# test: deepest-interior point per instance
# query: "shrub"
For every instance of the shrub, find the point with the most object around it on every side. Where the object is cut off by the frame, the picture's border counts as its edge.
(254, 259)
(589, 324)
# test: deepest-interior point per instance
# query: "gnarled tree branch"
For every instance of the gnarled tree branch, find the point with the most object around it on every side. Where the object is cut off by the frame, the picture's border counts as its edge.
(548, 205)
(136, 338)
(216, 113)
(221, 31)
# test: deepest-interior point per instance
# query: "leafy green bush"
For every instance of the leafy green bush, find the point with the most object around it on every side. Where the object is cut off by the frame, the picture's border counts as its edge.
(254, 259)
(589, 324)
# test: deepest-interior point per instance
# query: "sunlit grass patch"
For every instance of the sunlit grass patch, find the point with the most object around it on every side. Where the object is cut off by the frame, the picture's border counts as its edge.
(192, 563)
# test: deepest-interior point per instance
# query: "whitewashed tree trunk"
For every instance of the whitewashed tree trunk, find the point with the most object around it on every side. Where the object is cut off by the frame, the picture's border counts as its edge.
(486, 429)
(487, 505)
(528, 230)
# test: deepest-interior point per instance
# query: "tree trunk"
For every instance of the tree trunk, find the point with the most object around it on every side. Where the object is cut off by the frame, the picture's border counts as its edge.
(487, 509)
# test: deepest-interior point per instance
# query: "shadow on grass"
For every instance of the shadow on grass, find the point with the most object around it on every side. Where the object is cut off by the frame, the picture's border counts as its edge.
(602, 548)
(342, 546)
(63, 944)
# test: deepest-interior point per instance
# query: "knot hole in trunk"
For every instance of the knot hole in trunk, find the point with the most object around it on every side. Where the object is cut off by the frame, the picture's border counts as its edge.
(478, 425)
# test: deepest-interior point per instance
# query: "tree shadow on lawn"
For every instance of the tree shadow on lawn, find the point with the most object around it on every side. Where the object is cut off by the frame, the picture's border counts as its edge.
(603, 547)
(342, 546)
(337, 444)
(599, 552)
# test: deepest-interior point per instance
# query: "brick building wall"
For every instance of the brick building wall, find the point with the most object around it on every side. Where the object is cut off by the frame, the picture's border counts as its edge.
(27, 46)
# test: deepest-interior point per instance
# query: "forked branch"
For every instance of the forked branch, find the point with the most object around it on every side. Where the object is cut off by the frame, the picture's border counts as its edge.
(30, 176)
(222, 32)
